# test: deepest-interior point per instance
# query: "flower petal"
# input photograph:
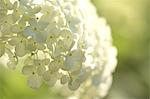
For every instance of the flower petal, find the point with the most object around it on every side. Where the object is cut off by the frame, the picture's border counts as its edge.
(46, 75)
(17, 28)
(35, 10)
(40, 46)
(74, 85)
(28, 70)
(2, 49)
(20, 50)
(41, 70)
(41, 36)
(42, 25)
(28, 31)
(74, 60)
(67, 36)
(54, 66)
(12, 64)
(64, 79)
(34, 81)
(52, 81)
(46, 61)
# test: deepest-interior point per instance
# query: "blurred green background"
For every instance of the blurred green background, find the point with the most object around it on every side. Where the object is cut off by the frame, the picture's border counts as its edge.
(130, 23)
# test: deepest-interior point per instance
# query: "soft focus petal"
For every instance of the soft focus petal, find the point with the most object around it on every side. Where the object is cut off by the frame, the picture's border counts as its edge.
(41, 25)
(28, 70)
(67, 38)
(52, 81)
(34, 81)
(17, 28)
(35, 10)
(74, 85)
(47, 75)
(2, 49)
(64, 79)
(20, 50)
(74, 60)
(29, 32)
(41, 70)
(12, 63)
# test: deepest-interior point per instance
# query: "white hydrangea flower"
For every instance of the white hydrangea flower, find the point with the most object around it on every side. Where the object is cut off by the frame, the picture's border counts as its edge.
(62, 41)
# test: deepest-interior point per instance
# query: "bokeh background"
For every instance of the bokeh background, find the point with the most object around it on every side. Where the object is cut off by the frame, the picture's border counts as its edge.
(130, 23)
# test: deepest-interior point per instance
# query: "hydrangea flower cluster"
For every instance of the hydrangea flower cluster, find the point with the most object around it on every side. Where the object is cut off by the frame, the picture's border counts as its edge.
(60, 41)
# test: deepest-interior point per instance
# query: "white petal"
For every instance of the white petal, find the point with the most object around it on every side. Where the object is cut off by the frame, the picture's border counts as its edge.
(58, 75)
(2, 49)
(22, 21)
(9, 53)
(15, 16)
(34, 81)
(23, 2)
(50, 47)
(59, 49)
(61, 21)
(20, 50)
(28, 70)
(35, 10)
(41, 36)
(2, 4)
(74, 85)
(64, 79)
(28, 61)
(84, 74)
(38, 62)
(54, 66)
(9, 5)
(47, 75)
(3, 13)
(41, 70)
(67, 38)
(47, 9)
(74, 60)
(28, 31)
(40, 46)
(33, 22)
(41, 25)
(51, 39)
(6, 29)
(12, 64)
(31, 45)
(38, 36)
(14, 41)
(17, 28)
(52, 81)
(15, 5)
(46, 61)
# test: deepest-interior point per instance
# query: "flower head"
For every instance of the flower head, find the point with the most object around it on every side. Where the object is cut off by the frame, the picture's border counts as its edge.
(60, 40)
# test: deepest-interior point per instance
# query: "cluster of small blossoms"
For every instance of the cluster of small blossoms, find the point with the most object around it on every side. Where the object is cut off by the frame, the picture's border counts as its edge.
(61, 41)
